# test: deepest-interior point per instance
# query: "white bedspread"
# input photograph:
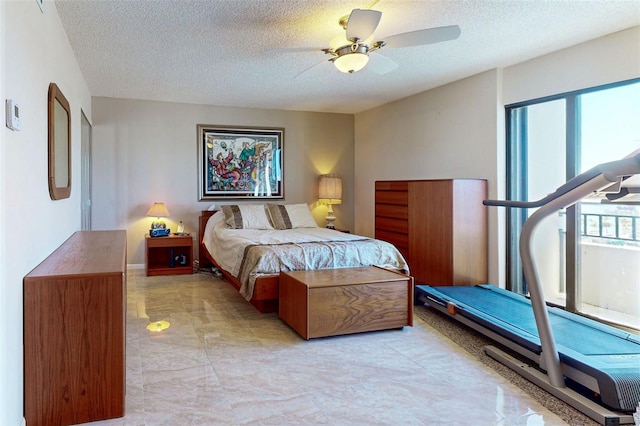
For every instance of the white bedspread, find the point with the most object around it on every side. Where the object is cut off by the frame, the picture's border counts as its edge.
(227, 246)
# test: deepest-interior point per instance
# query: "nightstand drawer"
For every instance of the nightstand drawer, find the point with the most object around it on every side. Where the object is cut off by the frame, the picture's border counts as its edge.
(169, 241)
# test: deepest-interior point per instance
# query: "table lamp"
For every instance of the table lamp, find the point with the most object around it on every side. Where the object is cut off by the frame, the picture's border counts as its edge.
(158, 227)
(330, 193)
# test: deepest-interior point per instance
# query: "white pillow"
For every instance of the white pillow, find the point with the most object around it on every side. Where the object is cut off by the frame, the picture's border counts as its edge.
(290, 216)
(246, 216)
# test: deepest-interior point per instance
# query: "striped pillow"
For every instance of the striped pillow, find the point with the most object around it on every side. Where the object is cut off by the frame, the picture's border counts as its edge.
(249, 216)
(279, 216)
(290, 216)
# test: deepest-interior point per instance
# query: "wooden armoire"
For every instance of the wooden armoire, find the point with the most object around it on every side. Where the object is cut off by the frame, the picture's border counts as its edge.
(440, 226)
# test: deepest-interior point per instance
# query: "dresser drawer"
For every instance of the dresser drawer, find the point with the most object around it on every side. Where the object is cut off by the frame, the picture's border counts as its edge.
(401, 241)
(392, 225)
(392, 185)
(392, 211)
(392, 197)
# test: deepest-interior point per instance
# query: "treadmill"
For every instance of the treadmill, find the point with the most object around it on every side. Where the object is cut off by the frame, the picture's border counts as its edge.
(591, 366)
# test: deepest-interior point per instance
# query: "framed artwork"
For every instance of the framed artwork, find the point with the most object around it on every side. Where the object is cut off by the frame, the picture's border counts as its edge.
(240, 162)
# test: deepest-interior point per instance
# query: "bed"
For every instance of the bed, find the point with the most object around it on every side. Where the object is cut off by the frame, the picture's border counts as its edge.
(250, 249)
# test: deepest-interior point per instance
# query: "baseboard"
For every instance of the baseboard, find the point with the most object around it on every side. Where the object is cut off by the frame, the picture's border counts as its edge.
(135, 266)
(24, 422)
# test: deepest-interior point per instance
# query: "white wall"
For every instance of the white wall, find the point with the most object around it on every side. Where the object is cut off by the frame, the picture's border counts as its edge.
(34, 52)
(146, 151)
(605, 60)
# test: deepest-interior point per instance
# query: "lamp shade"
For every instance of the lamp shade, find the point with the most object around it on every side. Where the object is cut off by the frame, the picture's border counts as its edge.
(330, 189)
(158, 210)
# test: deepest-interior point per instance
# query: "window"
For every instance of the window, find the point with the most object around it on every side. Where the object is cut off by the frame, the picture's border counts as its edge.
(587, 257)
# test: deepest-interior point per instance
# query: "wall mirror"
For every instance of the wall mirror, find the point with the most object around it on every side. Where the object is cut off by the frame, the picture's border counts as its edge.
(59, 144)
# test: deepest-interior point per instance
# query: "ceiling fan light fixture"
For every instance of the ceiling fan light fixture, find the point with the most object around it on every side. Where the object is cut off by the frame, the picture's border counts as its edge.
(351, 58)
(351, 62)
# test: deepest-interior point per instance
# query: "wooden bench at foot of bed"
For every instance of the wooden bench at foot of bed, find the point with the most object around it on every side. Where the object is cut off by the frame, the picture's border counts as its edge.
(331, 302)
(265, 292)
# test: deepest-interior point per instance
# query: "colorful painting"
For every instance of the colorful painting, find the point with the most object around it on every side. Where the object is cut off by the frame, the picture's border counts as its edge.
(240, 162)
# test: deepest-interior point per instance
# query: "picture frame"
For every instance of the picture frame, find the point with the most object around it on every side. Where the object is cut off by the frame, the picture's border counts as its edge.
(236, 162)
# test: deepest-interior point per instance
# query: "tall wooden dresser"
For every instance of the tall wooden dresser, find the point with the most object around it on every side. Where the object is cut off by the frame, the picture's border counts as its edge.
(74, 331)
(440, 226)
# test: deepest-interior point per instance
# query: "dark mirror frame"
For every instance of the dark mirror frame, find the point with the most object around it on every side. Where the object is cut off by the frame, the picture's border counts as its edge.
(56, 191)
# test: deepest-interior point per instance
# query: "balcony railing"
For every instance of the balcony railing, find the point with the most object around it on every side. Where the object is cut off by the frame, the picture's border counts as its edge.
(610, 239)
(611, 227)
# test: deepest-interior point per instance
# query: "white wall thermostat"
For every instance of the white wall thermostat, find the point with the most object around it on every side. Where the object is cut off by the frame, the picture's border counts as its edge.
(12, 111)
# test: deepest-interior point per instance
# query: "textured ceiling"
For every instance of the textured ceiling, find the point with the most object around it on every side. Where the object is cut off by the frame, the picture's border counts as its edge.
(213, 52)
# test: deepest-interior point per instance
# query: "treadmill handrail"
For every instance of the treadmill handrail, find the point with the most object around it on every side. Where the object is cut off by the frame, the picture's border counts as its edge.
(594, 180)
(613, 171)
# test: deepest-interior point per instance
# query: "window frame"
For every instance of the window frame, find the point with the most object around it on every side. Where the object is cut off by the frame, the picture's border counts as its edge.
(516, 183)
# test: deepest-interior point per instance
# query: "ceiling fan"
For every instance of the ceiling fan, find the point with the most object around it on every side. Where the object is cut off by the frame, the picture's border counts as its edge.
(353, 50)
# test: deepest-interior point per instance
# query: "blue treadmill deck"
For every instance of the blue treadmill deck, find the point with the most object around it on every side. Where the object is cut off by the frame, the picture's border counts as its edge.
(606, 353)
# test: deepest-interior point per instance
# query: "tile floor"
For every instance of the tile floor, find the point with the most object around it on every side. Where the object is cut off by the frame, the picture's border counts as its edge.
(223, 363)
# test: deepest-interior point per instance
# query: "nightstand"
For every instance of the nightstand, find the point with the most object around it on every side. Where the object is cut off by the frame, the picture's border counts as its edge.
(172, 255)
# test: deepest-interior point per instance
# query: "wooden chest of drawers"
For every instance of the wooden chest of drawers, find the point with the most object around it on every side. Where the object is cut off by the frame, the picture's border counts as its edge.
(439, 226)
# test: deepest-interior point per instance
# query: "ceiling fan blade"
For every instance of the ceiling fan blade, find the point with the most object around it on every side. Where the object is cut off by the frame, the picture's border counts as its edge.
(421, 37)
(380, 64)
(293, 49)
(362, 23)
(310, 68)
